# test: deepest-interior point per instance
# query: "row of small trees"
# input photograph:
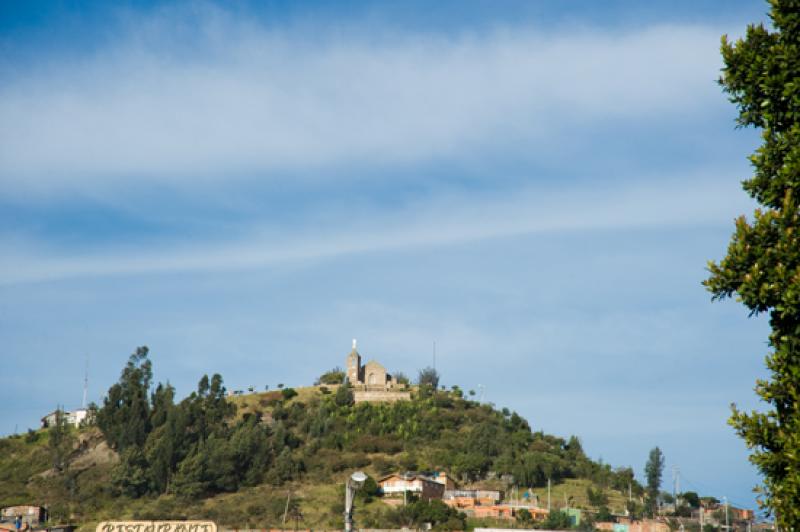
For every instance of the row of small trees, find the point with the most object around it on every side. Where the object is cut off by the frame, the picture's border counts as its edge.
(427, 377)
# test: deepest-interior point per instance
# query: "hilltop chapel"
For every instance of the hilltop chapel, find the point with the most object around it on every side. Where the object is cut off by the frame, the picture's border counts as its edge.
(371, 383)
(372, 374)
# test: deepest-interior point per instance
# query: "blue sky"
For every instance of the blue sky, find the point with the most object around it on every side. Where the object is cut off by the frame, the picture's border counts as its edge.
(244, 187)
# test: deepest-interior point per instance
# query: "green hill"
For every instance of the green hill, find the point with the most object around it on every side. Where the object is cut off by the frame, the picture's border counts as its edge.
(238, 460)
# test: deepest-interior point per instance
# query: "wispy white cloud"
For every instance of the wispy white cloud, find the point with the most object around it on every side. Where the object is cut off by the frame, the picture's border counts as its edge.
(249, 101)
(692, 201)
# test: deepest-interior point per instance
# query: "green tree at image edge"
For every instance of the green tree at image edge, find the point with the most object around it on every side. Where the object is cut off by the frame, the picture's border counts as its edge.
(761, 76)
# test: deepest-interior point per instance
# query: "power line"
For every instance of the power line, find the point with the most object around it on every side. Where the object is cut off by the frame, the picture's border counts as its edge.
(700, 491)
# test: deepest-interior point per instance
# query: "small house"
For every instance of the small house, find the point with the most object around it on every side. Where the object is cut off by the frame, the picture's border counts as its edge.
(398, 484)
(73, 417)
(30, 515)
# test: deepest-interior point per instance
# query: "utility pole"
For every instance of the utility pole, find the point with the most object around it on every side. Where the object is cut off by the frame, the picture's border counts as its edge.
(675, 484)
(727, 527)
(286, 510)
(548, 494)
(702, 514)
(630, 491)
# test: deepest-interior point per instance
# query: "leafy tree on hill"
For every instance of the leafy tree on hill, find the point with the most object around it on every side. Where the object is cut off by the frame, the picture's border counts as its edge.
(162, 401)
(604, 515)
(401, 377)
(690, 498)
(428, 377)
(368, 491)
(435, 512)
(125, 416)
(762, 265)
(344, 395)
(596, 497)
(132, 476)
(524, 516)
(557, 520)
(210, 405)
(60, 442)
(288, 393)
(428, 381)
(192, 448)
(191, 478)
(334, 376)
(634, 509)
(623, 478)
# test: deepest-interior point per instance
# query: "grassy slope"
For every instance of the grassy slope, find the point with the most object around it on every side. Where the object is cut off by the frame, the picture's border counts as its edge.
(20, 458)
(574, 490)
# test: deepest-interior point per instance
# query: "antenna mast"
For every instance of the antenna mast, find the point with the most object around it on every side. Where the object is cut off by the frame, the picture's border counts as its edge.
(85, 383)
(676, 483)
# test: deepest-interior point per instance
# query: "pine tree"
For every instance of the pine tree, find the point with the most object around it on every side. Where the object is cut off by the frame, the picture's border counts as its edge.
(653, 470)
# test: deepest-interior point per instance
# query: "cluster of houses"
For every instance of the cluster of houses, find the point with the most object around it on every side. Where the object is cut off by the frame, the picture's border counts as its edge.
(439, 485)
(473, 502)
(481, 503)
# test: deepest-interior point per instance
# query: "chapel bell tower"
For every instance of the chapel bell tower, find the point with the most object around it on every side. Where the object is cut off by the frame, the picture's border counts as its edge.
(354, 366)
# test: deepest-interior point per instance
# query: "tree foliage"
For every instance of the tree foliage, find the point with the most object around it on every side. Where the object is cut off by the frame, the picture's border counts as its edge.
(60, 442)
(288, 393)
(690, 498)
(333, 376)
(653, 471)
(401, 377)
(428, 378)
(344, 395)
(557, 520)
(524, 516)
(192, 448)
(419, 513)
(762, 265)
(596, 497)
(125, 416)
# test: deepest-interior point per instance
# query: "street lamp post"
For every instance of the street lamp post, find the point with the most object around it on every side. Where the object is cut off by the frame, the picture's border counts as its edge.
(355, 481)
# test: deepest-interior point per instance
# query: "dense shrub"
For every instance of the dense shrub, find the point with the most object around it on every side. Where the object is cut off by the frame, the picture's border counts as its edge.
(288, 393)
(334, 376)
